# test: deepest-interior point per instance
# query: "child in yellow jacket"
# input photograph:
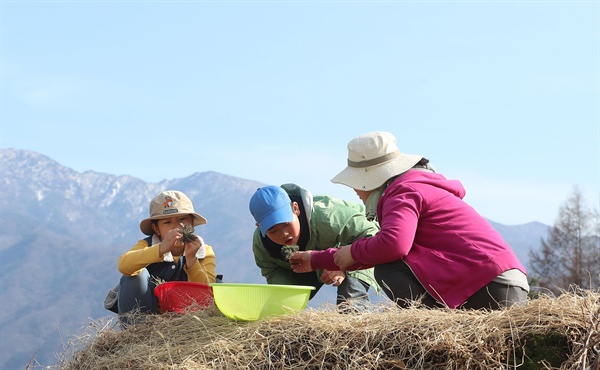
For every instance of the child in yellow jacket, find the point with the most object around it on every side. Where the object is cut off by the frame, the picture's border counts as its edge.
(164, 255)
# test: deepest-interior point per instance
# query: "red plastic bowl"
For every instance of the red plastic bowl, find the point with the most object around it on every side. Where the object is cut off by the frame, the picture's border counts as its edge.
(183, 296)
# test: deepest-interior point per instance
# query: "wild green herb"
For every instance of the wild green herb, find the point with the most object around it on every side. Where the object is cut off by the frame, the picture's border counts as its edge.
(187, 233)
(289, 250)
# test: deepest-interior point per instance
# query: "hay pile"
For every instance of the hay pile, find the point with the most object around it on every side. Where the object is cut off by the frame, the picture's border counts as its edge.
(547, 333)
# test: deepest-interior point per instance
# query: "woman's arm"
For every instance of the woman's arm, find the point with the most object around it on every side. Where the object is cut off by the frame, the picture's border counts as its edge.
(320, 260)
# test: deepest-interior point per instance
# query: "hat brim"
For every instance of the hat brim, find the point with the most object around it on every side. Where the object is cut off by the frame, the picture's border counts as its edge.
(283, 214)
(372, 177)
(146, 225)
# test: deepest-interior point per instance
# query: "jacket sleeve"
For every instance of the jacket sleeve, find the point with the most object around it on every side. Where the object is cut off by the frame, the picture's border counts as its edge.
(399, 218)
(356, 227)
(323, 260)
(335, 222)
(272, 269)
(204, 270)
(138, 257)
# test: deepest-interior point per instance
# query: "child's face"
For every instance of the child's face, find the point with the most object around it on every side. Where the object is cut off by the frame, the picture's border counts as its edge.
(287, 233)
(166, 224)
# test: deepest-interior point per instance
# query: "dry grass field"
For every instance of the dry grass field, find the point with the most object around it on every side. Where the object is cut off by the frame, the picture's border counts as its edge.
(547, 333)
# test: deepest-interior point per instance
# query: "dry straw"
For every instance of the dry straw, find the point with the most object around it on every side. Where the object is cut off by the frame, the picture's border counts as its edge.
(566, 327)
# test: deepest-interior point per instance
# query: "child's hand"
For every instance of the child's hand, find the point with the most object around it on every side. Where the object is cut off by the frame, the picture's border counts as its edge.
(171, 243)
(191, 248)
(333, 277)
(300, 262)
(343, 258)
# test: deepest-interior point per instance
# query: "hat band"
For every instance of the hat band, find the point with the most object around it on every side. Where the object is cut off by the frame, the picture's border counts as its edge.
(374, 161)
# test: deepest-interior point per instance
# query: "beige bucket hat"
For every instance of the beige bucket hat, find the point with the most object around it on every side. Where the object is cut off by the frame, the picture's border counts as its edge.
(167, 204)
(373, 158)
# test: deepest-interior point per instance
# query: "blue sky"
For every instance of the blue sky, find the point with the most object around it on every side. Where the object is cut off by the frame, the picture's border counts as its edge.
(502, 95)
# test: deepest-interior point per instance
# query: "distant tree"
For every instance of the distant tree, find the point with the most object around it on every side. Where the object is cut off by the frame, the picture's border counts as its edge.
(570, 255)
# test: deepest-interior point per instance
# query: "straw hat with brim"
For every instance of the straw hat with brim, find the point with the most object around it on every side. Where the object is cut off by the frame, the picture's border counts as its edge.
(170, 203)
(373, 158)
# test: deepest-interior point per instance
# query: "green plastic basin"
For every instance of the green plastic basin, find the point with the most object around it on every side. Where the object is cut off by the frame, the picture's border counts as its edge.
(251, 302)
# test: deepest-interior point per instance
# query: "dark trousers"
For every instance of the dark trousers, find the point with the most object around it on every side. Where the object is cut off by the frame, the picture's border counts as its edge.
(401, 286)
(351, 293)
(136, 294)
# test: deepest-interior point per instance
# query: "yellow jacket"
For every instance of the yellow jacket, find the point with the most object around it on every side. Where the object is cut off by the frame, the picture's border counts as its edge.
(143, 255)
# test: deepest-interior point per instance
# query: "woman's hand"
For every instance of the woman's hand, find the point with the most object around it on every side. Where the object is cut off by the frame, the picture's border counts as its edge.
(343, 258)
(300, 262)
(334, 278)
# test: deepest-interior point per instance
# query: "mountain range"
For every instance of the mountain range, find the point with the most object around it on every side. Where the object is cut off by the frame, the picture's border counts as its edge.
(62, 231)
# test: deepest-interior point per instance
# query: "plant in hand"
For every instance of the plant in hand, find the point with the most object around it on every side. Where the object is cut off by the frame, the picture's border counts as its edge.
(187, 233)
(288, 250)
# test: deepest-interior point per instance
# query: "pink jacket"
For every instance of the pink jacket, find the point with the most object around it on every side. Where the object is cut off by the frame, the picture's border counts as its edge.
(450, 248)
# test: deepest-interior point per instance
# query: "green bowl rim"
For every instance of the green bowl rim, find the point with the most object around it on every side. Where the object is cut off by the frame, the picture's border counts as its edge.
(242, 285)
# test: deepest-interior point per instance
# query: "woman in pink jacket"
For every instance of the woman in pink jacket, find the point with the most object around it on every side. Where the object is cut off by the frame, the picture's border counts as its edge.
(432, 246)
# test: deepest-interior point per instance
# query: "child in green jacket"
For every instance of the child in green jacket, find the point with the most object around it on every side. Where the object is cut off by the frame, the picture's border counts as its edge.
(289, 218)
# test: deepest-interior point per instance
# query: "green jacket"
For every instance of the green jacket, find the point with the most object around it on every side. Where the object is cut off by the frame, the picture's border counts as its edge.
(333, 223)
